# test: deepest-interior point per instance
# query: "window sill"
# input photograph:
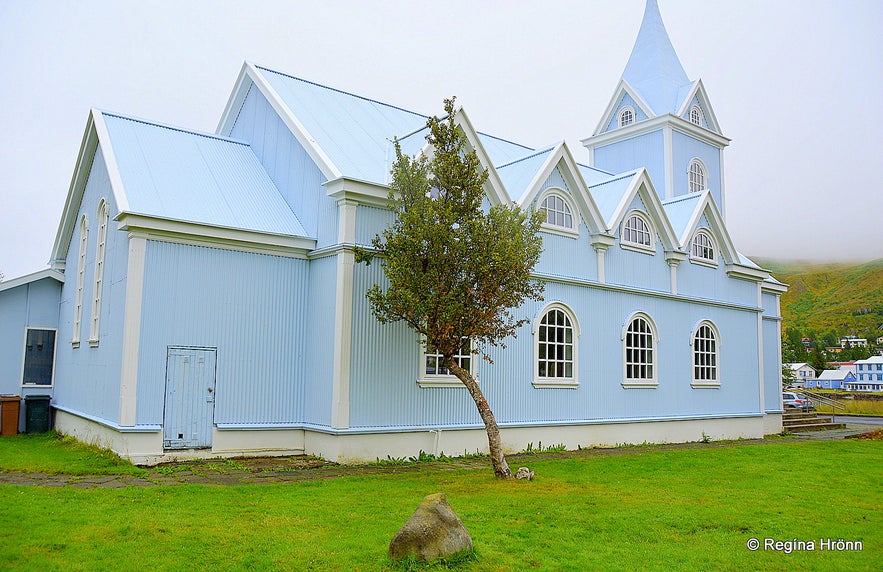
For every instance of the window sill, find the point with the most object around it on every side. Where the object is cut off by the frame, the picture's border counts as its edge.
(703, 262)
(555, 384)
(640, 384)
(441, 381)
(75, 343)
(703, 385)
(93, 343)
(635, 247)
(559, 230)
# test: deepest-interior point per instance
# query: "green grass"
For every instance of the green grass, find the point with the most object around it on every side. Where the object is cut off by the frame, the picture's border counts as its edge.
(52, 453)
(648, 509)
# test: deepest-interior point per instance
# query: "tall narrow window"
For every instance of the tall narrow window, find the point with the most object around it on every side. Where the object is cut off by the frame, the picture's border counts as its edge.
(705, 356)
(697, 176)
(640, 352)
(556, 346)
(626, 116)
(100, 246)
(81, 280)
(696, 115)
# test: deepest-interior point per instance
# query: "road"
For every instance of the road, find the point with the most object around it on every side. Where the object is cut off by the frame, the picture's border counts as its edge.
(854, 420)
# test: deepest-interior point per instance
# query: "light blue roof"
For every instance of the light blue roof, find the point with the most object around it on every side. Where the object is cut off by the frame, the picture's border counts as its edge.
(355, 132)
(680, 210)
(171, 173)
(591, 175)
(517, 175)
(500, 151)
(653, 69)
(745, 261)
(609, 194)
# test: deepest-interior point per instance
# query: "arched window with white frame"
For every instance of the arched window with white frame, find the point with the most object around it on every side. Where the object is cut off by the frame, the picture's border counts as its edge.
(556, 331)
(626, 116)
(639, 344)
(81, 280)
(697, 177)
(637, 232)
(706, 355)
(559, 212)
(703, 248)
(98, 284)
(696, 115)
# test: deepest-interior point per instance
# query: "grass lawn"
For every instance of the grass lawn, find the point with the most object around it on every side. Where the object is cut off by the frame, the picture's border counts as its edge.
(657, 509)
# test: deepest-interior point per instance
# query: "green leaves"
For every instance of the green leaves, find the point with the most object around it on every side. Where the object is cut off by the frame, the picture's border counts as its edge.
(455, 264)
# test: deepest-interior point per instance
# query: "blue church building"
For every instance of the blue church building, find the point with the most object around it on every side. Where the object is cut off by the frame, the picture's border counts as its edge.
(203, 297)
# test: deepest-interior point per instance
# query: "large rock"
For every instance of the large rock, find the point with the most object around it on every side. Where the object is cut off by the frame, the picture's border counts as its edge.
(434, 531)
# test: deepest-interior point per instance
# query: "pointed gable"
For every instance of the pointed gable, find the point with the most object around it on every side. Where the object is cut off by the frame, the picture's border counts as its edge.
(689, 212)
(695, 94)
(653, 69)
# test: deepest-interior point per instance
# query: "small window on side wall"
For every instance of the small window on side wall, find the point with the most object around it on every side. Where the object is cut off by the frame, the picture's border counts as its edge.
(638, 234)
(558, 212)
(433, 372)
(696, 115)
(703, 249)
(706, 346)
(697, 177)
(39, 357)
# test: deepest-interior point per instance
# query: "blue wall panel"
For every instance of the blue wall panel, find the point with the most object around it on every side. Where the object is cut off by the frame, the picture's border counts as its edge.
(641, 151)
(684, 150)
(251, 307)
(770, 304)
(88, 378)
(772, 367)
(290, 167)
(319, 342)
(625, 100)
(566, 256)
(371, 221)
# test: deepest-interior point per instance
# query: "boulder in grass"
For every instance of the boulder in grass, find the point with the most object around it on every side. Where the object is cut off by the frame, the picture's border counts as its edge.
(434, 531)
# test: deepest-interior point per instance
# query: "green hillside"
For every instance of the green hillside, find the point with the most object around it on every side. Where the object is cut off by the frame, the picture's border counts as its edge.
(831, 297)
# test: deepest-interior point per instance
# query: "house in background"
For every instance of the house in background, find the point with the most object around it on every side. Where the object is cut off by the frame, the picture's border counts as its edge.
(869, 375)
(803, 373)
(207, 301)
(831, 379)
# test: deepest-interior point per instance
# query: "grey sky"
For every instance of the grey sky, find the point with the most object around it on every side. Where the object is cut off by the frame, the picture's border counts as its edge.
(795, 83)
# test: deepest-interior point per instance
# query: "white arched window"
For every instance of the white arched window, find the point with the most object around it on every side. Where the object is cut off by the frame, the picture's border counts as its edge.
(555, 347)
(697, 176)
(639, 343)
(703, 249)
(558, 212)
(696, 115)
(638, 233)
(81, 280)
(626, 116)
(706, 347)
(98, 285)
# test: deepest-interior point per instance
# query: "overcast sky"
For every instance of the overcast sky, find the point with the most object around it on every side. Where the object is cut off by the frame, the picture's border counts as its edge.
(796, 84)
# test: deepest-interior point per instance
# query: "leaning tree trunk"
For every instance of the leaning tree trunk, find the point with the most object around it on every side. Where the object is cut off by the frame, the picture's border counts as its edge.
(501, 467)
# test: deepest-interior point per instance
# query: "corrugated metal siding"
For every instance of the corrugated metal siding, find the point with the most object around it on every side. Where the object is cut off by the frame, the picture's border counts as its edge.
(684, 150)
(571, 257)
(251, 307)
(371, 221)
(714, 284)
(295, 174)
(642, 151)
(770, 305)
(385, 366)
(772, 348)
(319, 341)
(88, 379)
(181, 175)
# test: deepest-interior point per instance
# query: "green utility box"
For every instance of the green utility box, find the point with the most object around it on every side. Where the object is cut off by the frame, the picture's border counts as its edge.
(37, 419)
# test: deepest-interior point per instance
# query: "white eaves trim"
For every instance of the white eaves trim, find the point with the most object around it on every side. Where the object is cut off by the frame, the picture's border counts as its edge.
(710, 118)
(562, 158)
(655, 124)
(32, 277)
(494, 188)
(196, 234)
(621, 89)
(362, 192)
(251, 75)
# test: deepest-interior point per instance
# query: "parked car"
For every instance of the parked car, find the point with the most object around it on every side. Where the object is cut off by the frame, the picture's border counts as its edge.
(795, 401)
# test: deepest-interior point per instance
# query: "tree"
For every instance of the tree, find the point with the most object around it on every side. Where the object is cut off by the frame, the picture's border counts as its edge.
(455, 270)
(787, 376)
(817, 361)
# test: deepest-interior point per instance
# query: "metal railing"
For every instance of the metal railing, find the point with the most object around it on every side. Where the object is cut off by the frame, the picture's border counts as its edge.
(822, 402)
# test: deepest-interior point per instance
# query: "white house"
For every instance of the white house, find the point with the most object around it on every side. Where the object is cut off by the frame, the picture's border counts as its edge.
(203, 295)
(803, 373)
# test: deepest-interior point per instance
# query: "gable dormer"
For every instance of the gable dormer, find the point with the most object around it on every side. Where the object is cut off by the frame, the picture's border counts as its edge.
(660, 120)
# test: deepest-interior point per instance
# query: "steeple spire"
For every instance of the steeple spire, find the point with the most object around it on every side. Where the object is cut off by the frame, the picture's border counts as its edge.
(653, 69)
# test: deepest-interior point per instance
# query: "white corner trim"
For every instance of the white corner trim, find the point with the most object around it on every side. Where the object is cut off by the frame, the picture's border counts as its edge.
(668, 162)
(113, 172)
(343, 334)
(132, 329)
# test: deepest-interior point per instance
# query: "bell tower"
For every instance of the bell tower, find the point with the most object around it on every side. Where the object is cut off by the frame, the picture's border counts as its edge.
(660, 120)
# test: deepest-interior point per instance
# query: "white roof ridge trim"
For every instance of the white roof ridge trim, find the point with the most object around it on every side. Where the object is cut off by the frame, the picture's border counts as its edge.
(174, 128)
(535, 153)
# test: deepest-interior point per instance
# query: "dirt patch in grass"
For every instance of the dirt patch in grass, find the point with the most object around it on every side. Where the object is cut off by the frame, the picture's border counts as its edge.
(872, 435)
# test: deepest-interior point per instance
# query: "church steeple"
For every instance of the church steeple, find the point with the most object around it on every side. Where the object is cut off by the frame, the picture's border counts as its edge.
(654, 70)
